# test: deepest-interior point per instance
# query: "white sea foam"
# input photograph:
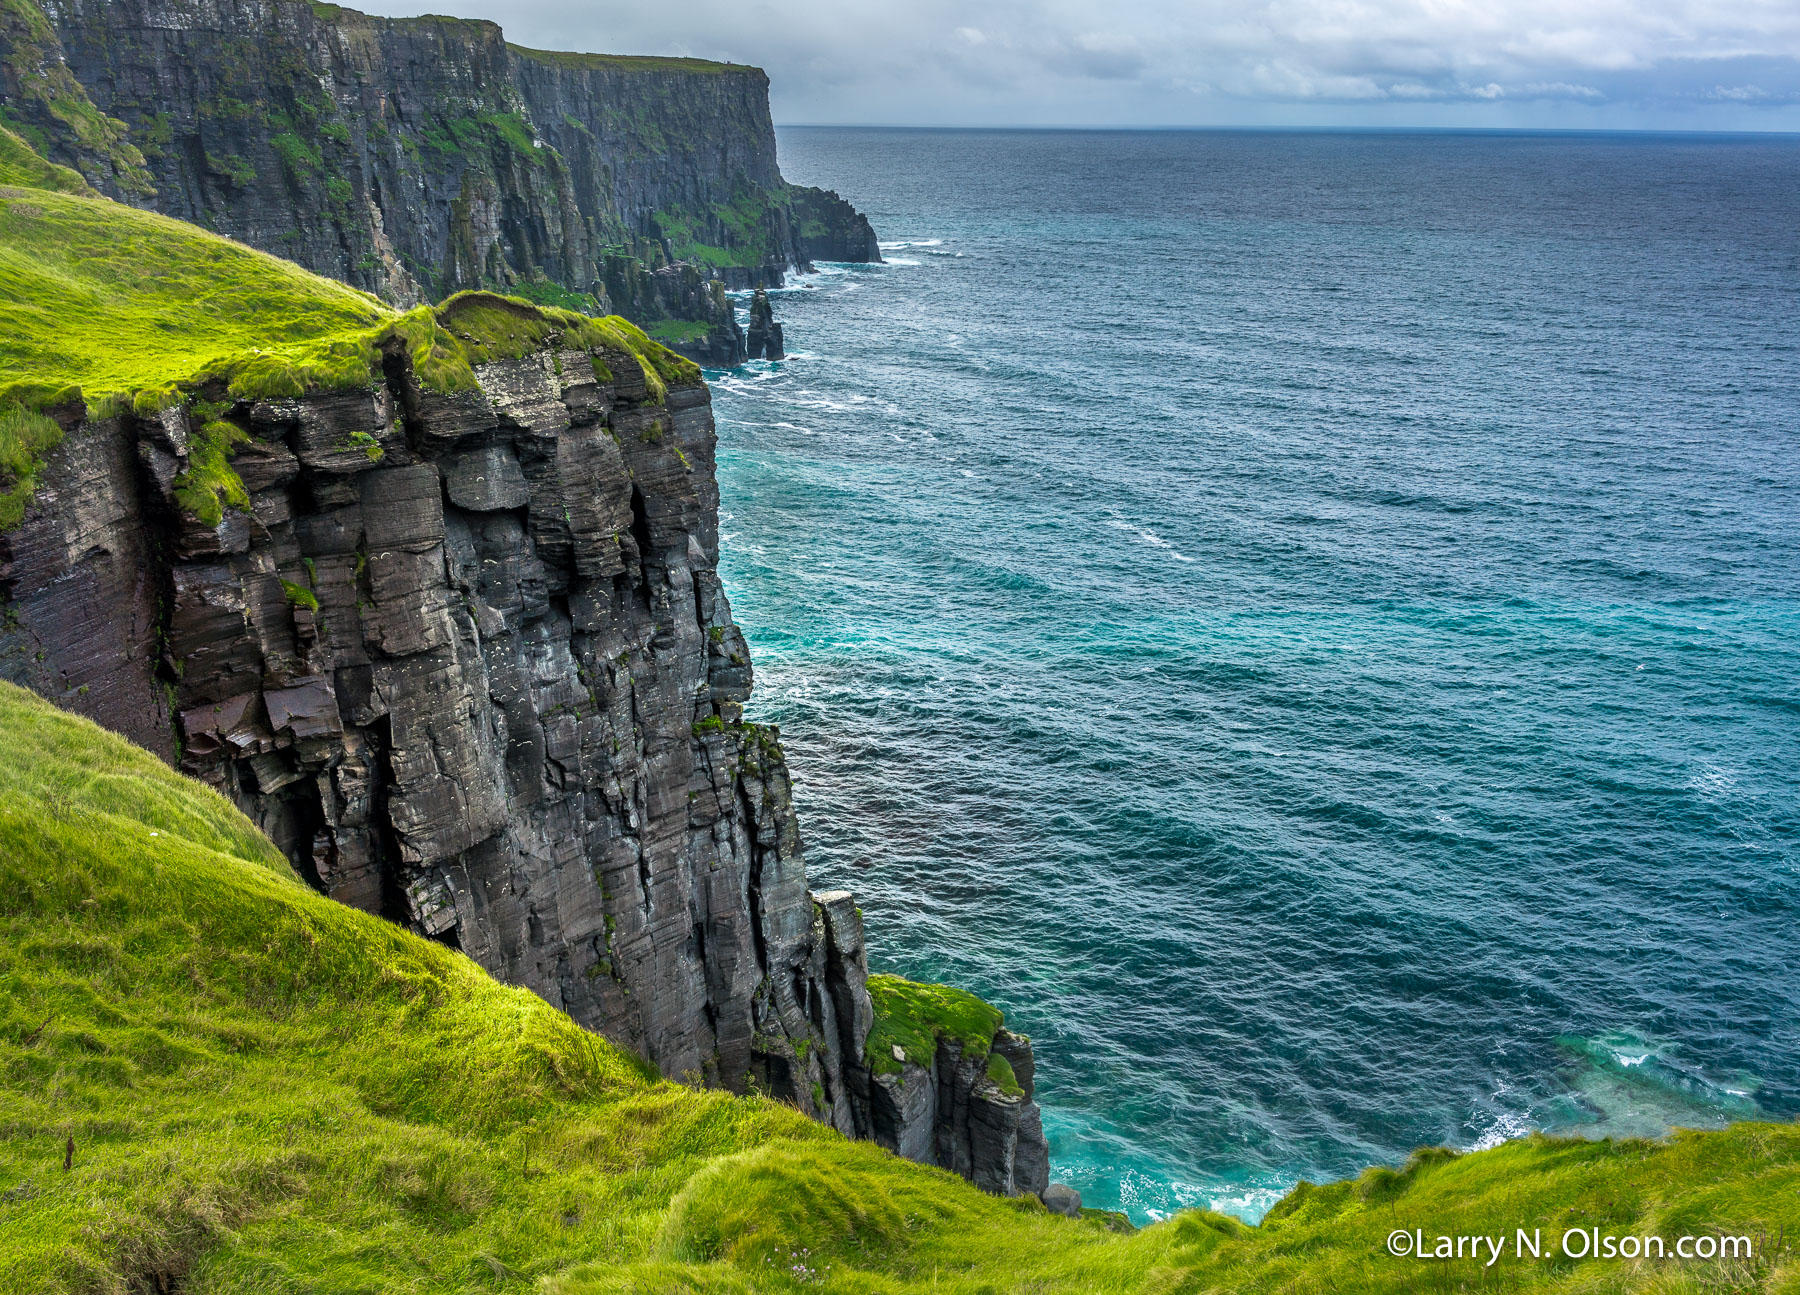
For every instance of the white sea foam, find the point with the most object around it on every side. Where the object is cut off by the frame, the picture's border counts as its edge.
(1249, 1204)
(1148, 537)
(1505, 1127)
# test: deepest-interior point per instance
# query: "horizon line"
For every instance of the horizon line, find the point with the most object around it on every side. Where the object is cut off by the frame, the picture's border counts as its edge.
(1301, 130)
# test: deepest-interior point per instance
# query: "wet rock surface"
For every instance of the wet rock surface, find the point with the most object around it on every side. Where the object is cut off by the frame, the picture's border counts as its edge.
(763, 337)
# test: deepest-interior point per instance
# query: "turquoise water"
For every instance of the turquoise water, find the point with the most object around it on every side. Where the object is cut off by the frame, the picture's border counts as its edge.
(1308, 623)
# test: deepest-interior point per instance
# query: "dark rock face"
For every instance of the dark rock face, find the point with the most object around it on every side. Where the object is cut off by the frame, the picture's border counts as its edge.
(417, 157)
(763, 338)
(48, 107)
(830, 229)
(468, 662)
(954, 1116)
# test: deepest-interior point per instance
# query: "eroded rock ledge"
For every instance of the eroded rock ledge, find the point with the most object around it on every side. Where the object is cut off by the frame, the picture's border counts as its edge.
(467, 660)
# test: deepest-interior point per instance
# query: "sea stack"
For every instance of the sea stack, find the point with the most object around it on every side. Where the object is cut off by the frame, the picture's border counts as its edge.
(763, 341)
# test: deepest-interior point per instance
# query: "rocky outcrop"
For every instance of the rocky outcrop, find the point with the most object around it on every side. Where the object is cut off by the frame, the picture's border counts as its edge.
(464, 656)
(953, 1115)
(466, 659)
(763, 338)
(941, 1081)
(417, 157)
(828, 228)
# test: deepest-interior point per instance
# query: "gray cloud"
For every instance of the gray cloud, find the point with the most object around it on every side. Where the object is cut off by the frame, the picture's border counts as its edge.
(1656, 63)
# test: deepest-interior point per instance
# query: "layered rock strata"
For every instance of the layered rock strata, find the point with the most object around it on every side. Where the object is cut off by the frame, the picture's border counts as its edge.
(466, 659)
(951, 1114)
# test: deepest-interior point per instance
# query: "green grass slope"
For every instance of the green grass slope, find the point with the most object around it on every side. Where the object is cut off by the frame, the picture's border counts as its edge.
(268, 1092)
(122, 304)
(118, 307)
(22, 166)
(113, 300)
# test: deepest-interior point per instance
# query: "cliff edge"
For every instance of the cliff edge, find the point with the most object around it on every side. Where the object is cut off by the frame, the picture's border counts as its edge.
(419, 157)
(434, 599)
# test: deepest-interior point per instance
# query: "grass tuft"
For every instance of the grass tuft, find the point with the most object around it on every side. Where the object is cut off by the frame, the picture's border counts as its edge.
(1000, 1073)
(300, 595)
(25, 437)
(211, 484)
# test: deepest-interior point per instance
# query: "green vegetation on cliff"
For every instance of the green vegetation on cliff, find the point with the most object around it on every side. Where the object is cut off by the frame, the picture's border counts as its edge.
(736, 233)
(25, 437)
(21, 165)
(128, 304)
(116, 300)
(210, 484)
(266, 1091)
(627, 62)
(49, 107)
(911, 1018)
(121, 307)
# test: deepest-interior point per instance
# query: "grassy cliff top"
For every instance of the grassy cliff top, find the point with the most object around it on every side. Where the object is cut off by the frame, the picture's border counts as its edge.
(913, 1018)
(267, 1091)
(113, 299)
(126, 304)
(629, 62)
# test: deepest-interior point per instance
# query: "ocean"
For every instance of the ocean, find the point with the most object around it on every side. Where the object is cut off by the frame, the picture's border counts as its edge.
(1308, 623)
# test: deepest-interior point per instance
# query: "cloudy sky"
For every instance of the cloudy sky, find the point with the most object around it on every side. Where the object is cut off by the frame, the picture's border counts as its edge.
(1681, 64)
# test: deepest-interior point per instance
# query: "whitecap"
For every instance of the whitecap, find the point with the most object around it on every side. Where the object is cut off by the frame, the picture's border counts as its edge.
(1149, 537)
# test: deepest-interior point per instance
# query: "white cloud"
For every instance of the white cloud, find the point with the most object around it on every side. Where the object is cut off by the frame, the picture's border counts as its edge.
(1171, 61)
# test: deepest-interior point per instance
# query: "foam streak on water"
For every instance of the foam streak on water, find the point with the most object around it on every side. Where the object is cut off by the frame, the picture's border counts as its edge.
(1309, 624)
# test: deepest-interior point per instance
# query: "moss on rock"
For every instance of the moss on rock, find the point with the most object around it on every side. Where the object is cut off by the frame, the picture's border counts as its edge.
(211, 484)
(913, 1019)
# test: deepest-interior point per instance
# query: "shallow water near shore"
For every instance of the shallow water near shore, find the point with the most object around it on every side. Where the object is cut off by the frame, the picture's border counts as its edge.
(1309, 624)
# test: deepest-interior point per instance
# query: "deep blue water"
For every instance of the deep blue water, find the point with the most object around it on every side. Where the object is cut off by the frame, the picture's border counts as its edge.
(1308, 623)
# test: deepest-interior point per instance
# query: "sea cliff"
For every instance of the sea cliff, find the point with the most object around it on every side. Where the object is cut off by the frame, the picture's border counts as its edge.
(434, 599)
(419, 157)
(426, 606)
